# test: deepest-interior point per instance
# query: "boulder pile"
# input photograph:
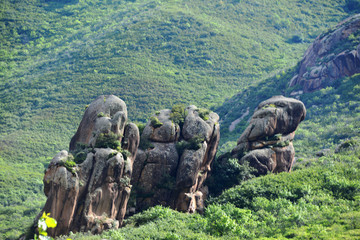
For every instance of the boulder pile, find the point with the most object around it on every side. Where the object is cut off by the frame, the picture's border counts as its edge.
(267, 142)
(89, 186)
(174, 158)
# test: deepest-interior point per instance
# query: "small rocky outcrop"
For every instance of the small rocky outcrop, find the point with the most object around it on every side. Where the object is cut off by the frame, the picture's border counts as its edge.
(331, 56)
(88, 187)
(267, 142)
(176, 150)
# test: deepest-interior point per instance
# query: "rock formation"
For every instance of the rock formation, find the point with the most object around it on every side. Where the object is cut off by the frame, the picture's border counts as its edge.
(267, 142)
(333, 55)
(176, 150)
(88, 187)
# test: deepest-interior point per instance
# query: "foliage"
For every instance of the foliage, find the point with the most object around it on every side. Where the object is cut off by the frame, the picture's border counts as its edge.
(108, 140)
(69, 164)
(333, 113)
(194, 143)
(44, 223)
(80, 157)
(303, 204)
(125, 153)
(80, 152)
(352, 5)
(125, 181)
(141, 127)
(56, 57)
(228, 172)
(145, 143)
(178, 114)
(155, 122)
(204, 113)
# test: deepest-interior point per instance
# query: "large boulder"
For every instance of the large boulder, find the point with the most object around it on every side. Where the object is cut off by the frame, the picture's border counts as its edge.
(267, 142)
(88, 187)
(331, 56)
(176, 150)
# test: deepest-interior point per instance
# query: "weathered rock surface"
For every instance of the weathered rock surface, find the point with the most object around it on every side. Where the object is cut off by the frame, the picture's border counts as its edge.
(332, 55)
(267, 142)
(174, 160)
(93, 194)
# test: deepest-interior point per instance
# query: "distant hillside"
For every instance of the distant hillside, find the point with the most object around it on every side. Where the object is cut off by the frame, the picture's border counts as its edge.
(327, 80)
(57, 56)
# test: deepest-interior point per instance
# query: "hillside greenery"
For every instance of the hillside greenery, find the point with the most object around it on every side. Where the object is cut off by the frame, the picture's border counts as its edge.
(320, 199)
(333, 113)
(57, 56)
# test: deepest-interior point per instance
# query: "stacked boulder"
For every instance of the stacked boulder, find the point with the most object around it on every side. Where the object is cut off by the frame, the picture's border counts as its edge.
(174, 158)
(266, 144)
(88, 187)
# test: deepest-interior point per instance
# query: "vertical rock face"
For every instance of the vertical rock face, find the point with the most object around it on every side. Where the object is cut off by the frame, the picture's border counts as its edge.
(332, 55)
(88, 187)
(174, 157)
(267, 142)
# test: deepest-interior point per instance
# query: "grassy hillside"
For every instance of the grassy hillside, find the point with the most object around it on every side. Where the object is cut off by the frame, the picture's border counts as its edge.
(57, 56)
(333, 113)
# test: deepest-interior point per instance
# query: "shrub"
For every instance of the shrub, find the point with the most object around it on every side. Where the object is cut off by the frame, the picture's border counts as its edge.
(194, 143)
(145, 144)
(141, 127)
(203, 113)
(157, 212)
(80, 157)
(125, 153)
(229, 220)
(108, 140)
(113, 154)
(100, 114)
(155, 122)
(228, 172)
(178, 114)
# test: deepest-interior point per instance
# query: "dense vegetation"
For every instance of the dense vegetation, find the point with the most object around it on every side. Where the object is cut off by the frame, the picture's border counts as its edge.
(57, 56)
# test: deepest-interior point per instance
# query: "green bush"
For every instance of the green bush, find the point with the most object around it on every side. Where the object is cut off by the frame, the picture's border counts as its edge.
(194, 143)
(203, 113)
(228, 172)
(155, 122)
(80, 157)
(226, 219)
(145, 144)
(178, 114)
(108, 140)
(125, 153)
(69, 163)
(141, 127)
(149, 215)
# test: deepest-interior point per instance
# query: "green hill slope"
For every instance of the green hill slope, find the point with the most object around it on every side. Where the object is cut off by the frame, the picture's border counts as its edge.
(57, 56)
(319, 200)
